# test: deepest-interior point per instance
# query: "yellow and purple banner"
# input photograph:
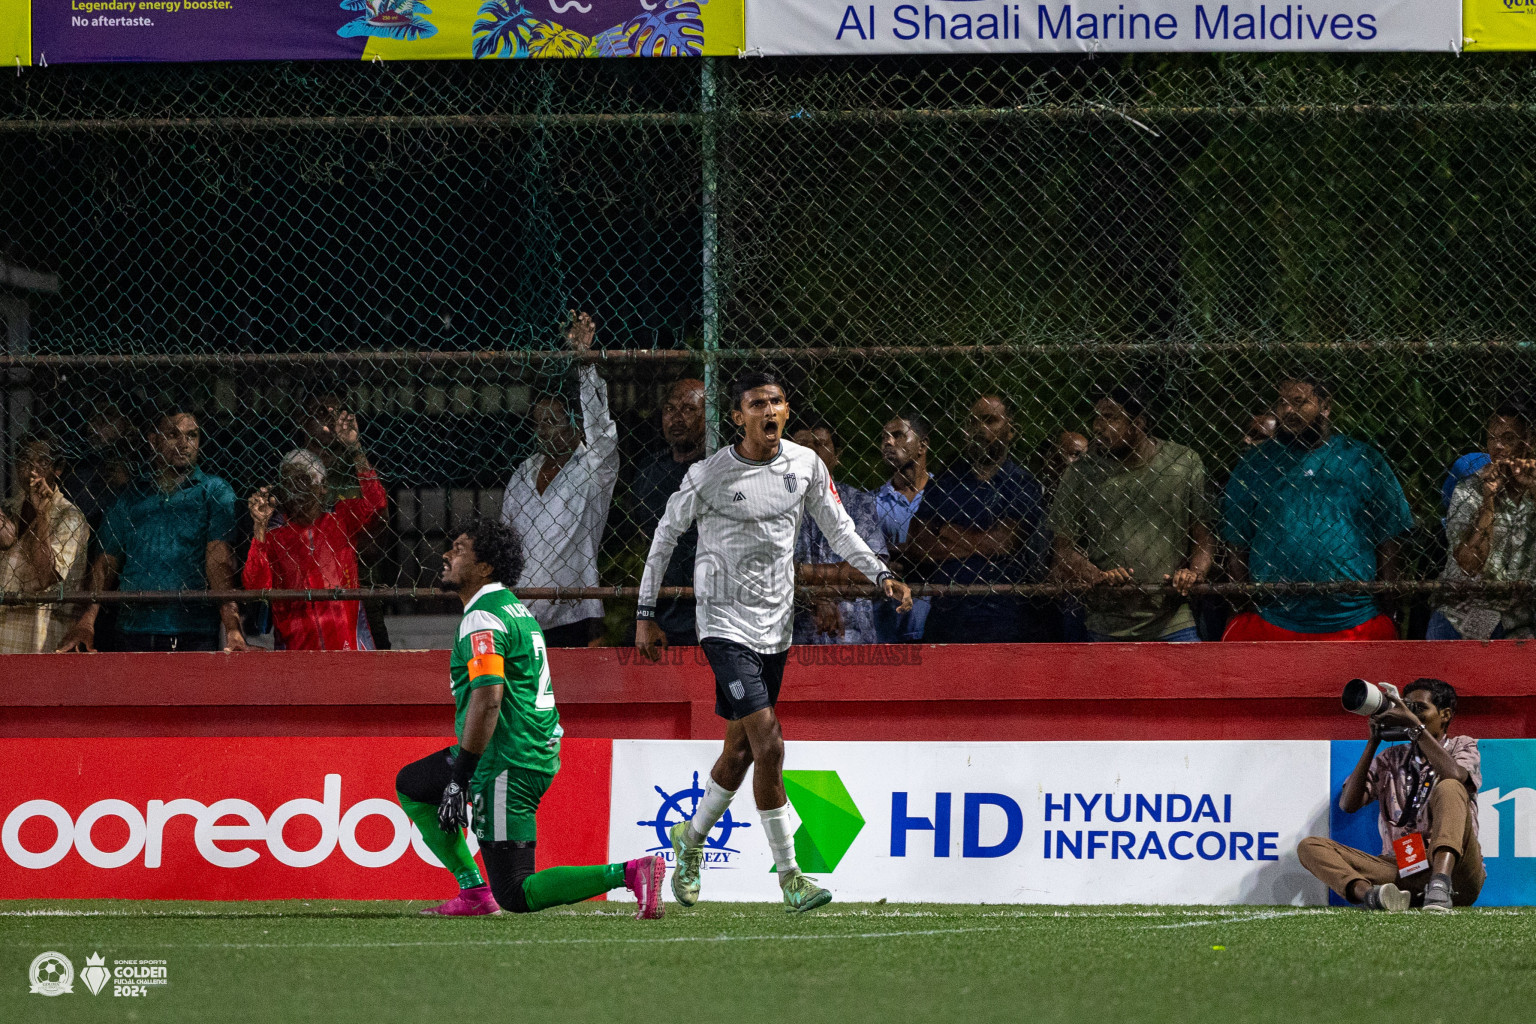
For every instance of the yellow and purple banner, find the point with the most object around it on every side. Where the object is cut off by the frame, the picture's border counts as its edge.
(15, 33)
(81, 31)
(1499, 24)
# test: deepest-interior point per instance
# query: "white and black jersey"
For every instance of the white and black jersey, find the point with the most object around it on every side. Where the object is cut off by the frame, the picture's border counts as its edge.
(749, 515)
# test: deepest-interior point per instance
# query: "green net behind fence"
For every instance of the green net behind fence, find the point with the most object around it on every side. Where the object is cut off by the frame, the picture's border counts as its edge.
(406, 242)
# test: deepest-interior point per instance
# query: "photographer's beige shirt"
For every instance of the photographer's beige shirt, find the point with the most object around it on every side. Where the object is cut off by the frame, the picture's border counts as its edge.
(1388, 781)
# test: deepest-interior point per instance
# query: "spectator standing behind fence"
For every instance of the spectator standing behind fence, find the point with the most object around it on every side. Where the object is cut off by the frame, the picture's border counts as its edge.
(314, 548)
(1490, 531)
(94, 481)
(980, 523)
(558, 500)
(1057, 454)
(682, 427)
(1313, 506)
(1134, 511)
(325, 411)
(832, 620)
(904, 447)
(43, 540)
(169, 530)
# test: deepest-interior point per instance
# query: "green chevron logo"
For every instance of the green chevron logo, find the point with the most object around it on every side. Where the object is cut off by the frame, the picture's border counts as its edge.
(829, 819)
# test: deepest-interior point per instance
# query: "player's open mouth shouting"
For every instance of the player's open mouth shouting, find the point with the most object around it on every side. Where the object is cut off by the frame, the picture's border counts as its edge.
(765, 411)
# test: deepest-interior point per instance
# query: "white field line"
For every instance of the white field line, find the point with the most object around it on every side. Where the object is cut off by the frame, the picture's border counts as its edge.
(599, 941)
(1242, 919)
(1041, 911)
(1036, 912)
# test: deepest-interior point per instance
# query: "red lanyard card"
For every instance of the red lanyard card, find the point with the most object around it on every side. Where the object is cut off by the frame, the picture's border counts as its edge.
(1411, 855)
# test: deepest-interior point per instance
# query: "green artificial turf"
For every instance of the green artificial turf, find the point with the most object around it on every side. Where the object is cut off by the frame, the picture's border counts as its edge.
(379, 963)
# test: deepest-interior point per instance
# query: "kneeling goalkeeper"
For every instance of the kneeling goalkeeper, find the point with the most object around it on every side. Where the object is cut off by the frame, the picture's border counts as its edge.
(508, 750)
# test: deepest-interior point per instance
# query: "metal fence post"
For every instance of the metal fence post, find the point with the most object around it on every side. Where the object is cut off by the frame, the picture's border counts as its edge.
(710, 283)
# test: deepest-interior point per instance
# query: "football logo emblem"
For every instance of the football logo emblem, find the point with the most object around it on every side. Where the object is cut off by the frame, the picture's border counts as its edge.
(482, 643)
(789, 482)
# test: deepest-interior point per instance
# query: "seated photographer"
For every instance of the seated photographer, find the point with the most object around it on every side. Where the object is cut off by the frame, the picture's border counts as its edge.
(1427, 788)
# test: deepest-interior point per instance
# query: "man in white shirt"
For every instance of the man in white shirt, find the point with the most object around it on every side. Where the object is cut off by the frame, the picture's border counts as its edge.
(748, 500)
(558, 500)
(42, 547)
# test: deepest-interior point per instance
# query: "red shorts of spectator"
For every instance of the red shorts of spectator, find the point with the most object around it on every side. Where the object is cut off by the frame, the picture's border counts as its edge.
(1249, 626)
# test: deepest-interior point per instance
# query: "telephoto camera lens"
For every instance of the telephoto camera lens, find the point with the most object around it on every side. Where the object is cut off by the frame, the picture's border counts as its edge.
(1363, 698)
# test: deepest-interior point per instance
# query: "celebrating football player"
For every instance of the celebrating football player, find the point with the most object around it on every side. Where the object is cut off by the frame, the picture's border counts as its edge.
(748, 500)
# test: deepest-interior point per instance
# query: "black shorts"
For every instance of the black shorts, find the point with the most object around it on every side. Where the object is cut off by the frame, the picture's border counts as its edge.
(745, 681)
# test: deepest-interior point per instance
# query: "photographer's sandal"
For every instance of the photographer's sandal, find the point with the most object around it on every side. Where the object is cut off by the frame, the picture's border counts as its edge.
(1437, 895)
(1386, 897)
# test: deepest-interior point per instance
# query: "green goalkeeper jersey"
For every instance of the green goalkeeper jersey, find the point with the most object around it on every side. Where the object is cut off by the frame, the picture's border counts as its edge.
(500, 642)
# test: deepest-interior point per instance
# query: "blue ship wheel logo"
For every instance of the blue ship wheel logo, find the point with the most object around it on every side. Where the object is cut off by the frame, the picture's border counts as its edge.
(673, 810)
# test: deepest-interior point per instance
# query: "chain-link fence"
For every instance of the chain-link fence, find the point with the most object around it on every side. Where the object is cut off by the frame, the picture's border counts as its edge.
(271, 247)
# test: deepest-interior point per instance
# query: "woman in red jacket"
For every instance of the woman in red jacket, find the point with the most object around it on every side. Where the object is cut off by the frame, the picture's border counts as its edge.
(314, 548)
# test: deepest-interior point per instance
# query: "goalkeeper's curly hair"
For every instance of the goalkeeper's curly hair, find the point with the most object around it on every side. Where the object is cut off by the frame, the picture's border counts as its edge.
(498, 546)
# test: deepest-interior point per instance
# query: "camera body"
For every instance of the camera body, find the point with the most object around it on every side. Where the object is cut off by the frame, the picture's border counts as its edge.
(1369, 700)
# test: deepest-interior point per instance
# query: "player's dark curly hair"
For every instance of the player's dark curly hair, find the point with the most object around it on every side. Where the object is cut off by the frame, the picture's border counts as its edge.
(751, 381)
(1440, 691)
(498, 546)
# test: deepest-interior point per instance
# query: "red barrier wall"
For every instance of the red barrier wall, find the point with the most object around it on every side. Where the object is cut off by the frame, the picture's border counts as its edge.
(981, 692)
(159, 855)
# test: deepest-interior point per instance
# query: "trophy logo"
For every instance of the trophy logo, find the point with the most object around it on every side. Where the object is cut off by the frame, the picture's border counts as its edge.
(95, 974)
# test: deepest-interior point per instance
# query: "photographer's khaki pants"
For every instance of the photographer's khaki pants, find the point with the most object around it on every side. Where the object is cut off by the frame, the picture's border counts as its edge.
(1450, 827)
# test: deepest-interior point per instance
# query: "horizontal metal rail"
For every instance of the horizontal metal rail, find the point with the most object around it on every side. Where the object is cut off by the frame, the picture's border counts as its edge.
(517, 357)
(798, 117)
(1399, 588)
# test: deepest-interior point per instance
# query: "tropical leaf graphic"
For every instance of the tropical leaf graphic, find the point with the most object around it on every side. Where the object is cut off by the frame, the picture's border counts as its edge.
(504, 29)
(416, 29)
(552, 40)
(407, 23)
(614, 42)
(677, 30)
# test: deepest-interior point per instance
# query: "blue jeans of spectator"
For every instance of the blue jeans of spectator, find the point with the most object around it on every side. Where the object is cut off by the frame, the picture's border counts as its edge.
(1074, 622)
(1188, 635)
(984, 620)
(893, 627)
(1440, 628)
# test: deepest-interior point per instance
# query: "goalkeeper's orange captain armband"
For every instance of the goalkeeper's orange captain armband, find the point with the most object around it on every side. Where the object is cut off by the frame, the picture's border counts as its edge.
(486, 661)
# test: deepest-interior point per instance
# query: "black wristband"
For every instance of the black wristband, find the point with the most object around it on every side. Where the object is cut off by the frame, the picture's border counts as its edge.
(882, 577)
(646, 612)
(464, 767)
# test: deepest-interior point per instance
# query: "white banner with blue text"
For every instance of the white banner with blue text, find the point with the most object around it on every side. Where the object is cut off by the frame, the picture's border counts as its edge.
(812, 27)
(1152, 822)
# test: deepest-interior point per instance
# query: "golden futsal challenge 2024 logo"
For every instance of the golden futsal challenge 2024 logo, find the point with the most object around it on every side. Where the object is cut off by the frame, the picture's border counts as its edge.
(53, 974)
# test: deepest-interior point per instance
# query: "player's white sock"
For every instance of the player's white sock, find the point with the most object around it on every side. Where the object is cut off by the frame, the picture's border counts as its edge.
(781, 840)
(716, 799)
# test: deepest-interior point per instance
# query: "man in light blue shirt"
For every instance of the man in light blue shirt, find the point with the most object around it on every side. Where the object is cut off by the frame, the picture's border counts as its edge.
(904, 447)
(833, 620)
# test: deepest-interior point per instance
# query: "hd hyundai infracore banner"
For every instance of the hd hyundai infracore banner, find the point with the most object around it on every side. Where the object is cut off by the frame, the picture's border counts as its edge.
(1051, 823)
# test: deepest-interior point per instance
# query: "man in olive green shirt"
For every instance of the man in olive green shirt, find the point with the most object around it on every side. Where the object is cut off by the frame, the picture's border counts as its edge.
(1133, 512)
